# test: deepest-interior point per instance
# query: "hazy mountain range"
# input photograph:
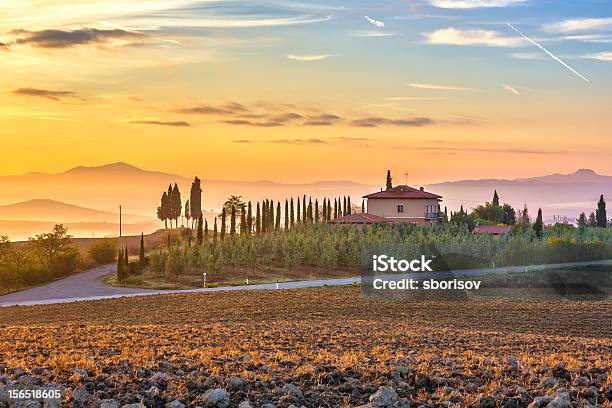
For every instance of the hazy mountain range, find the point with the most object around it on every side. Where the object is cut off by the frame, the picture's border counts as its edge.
(88, 198)
(564, 195)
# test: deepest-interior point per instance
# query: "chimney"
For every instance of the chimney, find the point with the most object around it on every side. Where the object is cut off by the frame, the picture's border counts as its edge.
(422, 189)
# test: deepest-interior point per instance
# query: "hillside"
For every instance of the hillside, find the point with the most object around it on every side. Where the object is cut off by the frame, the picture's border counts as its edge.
(106, 187)
(557, 194)
(57, 211)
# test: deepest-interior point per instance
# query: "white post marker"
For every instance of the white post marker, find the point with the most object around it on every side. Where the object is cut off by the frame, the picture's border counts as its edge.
(276, 284)
(204, 279)
(247, 281)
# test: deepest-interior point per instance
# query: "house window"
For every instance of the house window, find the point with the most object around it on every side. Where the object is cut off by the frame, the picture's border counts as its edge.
(400, 208)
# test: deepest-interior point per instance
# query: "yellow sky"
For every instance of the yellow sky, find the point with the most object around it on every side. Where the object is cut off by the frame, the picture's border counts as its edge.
(86, 83)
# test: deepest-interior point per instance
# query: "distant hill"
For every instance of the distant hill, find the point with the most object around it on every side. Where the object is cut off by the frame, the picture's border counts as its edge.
(139, 191)
(56, 211)
(565, 195)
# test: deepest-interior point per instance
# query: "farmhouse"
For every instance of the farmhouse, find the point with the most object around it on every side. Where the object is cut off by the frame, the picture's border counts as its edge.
(397, 204)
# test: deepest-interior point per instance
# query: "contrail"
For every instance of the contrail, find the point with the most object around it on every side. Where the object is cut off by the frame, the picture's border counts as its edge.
(553, 56)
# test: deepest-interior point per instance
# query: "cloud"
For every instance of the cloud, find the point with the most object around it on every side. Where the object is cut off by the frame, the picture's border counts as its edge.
(469, 4)
(589, 38)
(488, 38)
(318, 123)
(243, 122)
(242, 141)
(584, 24)
(378, 121)
(231, 108)
(377, 23)
(161, 123)
(550, 54)
(416, 98)
(308, 58)
(601, 56)
(67, 39)
(511, 89)
(286, 117)
(439, 87)
(44, 93)
(528, 56)
(298, 141)
(372, 34)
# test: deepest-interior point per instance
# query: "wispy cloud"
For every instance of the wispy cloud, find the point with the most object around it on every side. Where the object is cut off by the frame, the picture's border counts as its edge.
(299, 141)
(67, 38)
(366, 34)
(378, 121)
(377, 23)
(574, 25)
(439, 87)
(601, 56)
(45, 93)
(511, 89)
(553, 56)
(160, 123)
(469, 4)
(454, 36)
(528, 56)
(242, 141)
(416, 98)
(308, 58)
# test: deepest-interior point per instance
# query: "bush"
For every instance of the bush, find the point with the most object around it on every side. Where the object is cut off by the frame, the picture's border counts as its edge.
(103, 252)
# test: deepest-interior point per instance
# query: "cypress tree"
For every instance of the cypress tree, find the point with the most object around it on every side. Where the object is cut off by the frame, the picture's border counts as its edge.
(309, 212)
(363, 206)
(177, 206)
(601, 215)
(538, 226)
(329, 213)
(298, 211)
(278, 217)
(389, 182)
(141, 254)
(233, 221)
(243, 225)
(335, 208)
(592, 220)
(195, 200)
(344, 205)
(264, 216)
(200, 233)
(271, 216)
(286, 214)
(348, 205)
(120, 276)
(249, 219)
(495, 199)
(304, 209)
(206, 230)
(162, 210)
(292, 215)
(258, 220)
(215, 231)
(223, 215)
(316, 211)
(324, 209)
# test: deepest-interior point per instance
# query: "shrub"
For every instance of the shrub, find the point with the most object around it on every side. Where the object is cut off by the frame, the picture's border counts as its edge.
(103, 252)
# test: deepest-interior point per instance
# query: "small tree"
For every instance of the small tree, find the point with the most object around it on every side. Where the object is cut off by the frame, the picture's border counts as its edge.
(187, 212)
(538, 225)
(223, 215)
(286, 215)
(601, 215)
(200, 232)
(495, 199)
(592, 220)
(141, 254)
(292, 215)
(582, 220)
(233, 221)
(103, 252)
(389, 180)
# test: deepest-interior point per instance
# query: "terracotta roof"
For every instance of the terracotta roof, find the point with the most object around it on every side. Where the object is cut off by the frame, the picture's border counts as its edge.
(358, 218)
(403, 192)
(492, 229)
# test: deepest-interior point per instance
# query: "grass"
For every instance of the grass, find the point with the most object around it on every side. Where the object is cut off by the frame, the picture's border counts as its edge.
(237, 277)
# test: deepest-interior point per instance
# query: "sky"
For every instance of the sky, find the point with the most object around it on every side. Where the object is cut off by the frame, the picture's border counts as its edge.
(297, 91)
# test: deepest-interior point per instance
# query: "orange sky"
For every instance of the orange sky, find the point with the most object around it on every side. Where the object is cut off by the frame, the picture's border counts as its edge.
(296, 95)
